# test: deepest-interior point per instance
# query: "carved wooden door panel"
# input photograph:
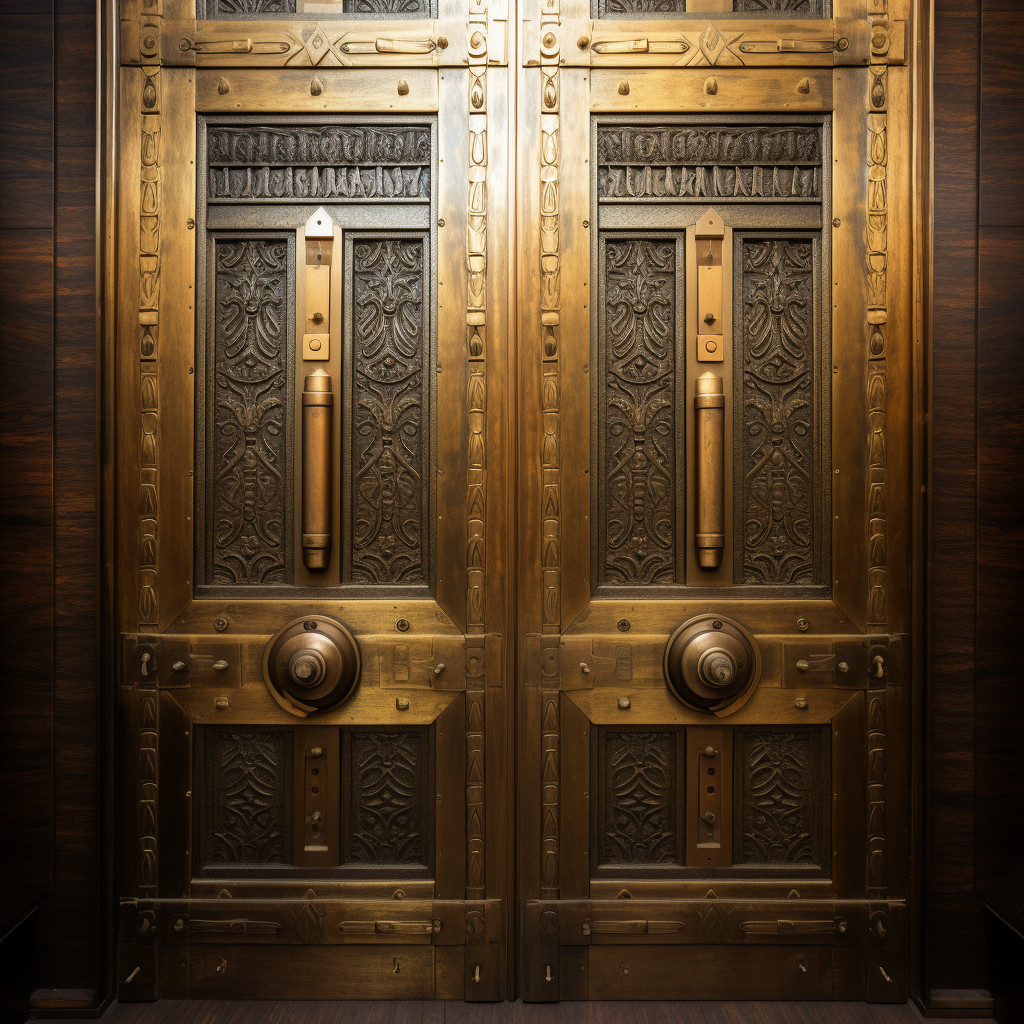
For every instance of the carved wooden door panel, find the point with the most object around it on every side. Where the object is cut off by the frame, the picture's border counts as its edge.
(715, 336)
(310, 361)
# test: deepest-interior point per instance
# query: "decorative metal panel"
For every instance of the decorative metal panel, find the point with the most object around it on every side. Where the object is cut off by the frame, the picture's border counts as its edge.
(390, 423)
(639, 8)
(776, 465)
(640, 780)
(638, 495)
(388, 810)
(677, 8)
(257, 9)
(245, 798)
(249, 433)
(781, 781)
(658, 162)
(388, 8)
(236, 9)
(318, 163)
(781, 8)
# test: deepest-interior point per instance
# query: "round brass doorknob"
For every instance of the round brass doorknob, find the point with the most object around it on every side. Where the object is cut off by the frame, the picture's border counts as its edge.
(311, 664)
(711, 663)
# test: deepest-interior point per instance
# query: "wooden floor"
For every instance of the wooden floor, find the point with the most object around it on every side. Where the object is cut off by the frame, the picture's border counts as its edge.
(319, 1012)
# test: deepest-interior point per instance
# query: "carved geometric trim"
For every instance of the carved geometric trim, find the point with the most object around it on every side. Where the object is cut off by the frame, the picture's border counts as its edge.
(245, 795)
(387, 782)
(640, 792)
(249, 417)
(639, 432)
(782, 784)
(778, 476)
(677, 9)
(243, 10)
(255, 163)
(389, 442)
(662, 161)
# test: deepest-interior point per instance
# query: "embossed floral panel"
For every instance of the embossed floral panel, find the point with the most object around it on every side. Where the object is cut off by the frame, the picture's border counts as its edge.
(250, 10)
(244, 798)
(782, 797)
(639, 783)
(387, 781)
(389, 435)
(639, 480)
(780, 441)
(248, 425)
(677, 8)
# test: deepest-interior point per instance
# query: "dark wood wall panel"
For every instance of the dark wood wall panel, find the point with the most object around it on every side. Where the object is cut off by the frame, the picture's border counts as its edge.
(48, 510)
(975, 709)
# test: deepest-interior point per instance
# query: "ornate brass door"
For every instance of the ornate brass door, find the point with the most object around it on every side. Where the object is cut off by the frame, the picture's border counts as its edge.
(715, 334)
(311, 360)
(513, 471)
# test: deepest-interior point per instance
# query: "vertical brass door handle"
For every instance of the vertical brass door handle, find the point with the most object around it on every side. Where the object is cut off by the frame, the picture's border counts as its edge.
(317, 416)
(709, 416)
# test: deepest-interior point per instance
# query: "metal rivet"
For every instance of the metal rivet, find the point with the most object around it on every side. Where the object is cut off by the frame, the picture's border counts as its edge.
(836, 222)
(440, 222)
(402, 625)
(179, 924)
(178, 666)
(442, 43)
(803, 625)
(549, 39)
(317, 752)
(184, 45)
(623, 88)
(220, 666)
(403, 87)
(623, 625)
(800, 702)
(223, 87)
(402, 703)
(190, 223)
(623, 703)
(586, 223)
(220, 624)
(584, 668)
(583, 42)
(316, 87)
(221, 703)
(439, 668)
(842, 43)
(803, 86)
(711, 86)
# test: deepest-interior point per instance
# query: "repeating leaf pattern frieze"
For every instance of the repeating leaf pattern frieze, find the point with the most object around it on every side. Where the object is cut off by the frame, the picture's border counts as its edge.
(386, 812)
(318, 162)
(786, 8)
(686, 164)
(779, 796)
(624, 8)
(250, 446)
(227, 9)
(639, 478)
(776, 435)
(639, 816)
(388, 447)
(247, 786)
(387, 7)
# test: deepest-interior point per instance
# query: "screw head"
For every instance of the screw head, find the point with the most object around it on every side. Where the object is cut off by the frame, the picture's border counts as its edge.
(623, 625)
(803, 625)
(220, 624)
(402, 625)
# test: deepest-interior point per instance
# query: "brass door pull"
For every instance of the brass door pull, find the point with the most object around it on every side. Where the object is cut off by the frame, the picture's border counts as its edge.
(317, 423)
(709, 414)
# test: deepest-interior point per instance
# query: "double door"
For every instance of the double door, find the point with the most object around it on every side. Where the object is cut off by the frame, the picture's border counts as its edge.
(513, 456)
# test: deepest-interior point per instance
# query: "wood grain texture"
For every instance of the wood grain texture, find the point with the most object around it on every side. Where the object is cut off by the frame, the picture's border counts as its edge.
(1002, 119)
(394, 1012)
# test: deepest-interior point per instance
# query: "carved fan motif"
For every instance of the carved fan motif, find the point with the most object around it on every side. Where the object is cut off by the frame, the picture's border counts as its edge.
(640, 445)
(640, 817)
(388, 448)
(777, 432)
(246, 821)
(386, 811)
(780, 793)
(249, 428)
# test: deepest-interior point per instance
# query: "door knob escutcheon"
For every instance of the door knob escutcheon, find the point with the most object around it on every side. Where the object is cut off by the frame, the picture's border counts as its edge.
(311, 664)
(711, 663)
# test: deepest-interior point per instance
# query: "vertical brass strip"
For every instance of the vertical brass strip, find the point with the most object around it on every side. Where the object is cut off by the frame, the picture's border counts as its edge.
(476, 411)
(551, 557)
(317, 483)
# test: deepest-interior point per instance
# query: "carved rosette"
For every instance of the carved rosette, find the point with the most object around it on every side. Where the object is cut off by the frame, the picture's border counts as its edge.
(550, 306)
(476, 408)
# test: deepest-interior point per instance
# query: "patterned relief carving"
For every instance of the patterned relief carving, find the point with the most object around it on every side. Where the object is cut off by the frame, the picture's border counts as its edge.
(330, 162)
(627, 8)
(778, 797)
(149, 333)
(476, 422)
(388, 448)
(639, 815)
(777, 504)
(386, 7)
(250, 443)
(786, 8)
(549, 329)
(148, 793)
(639, 473)
(669, 8)
(216, 9)
(384, 820)
(689, 164)
(247, 785)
